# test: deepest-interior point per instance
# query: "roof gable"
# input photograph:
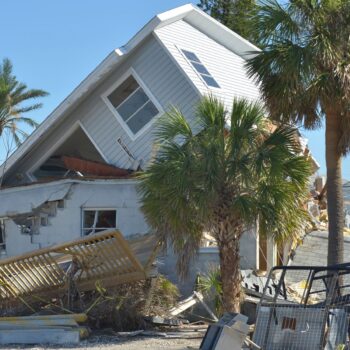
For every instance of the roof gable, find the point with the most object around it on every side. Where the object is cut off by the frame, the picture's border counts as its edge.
(189, 12)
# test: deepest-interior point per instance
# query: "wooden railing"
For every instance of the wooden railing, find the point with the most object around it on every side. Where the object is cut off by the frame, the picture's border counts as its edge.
(105, 257)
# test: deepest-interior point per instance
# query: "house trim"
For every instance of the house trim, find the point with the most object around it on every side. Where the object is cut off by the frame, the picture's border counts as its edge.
(57, 144)
(131, 72)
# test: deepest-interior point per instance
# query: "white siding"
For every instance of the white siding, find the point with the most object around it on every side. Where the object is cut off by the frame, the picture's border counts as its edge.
(171, 80)
(226, 67)
(163, 78)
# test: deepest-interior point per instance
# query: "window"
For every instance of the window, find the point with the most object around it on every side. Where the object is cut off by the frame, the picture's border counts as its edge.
(133, 104)
(97, 220)
(200, 68)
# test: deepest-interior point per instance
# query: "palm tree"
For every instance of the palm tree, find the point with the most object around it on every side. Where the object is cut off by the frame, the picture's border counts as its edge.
(304, 76)
(234, 14)
(12, 96)
(220, 180)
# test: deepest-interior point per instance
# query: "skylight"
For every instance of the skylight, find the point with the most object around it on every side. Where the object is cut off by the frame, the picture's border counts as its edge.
(200, 68)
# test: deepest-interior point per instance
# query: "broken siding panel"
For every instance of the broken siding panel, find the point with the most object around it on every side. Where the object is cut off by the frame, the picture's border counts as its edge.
(226, 67)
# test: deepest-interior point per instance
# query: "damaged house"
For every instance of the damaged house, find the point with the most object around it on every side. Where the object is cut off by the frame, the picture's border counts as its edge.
(73, 176)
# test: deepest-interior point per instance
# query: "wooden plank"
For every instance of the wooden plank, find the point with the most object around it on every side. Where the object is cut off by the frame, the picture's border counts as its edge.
(113, 256)
(48, 265)
(93, 261)
(55, 267)
(80, 318)
(120, 242)
(16, 324)
(124, 266)
(39, 336)
(101, 247)
(100, 257)
(15, 282)
(22, 272)
(32, 271)
(46, 270)
(8, 288)
(39, 271)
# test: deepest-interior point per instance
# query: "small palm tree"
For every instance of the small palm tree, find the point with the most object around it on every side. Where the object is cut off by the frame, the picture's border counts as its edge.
(12, 96)
(304, 75)
(220, 180)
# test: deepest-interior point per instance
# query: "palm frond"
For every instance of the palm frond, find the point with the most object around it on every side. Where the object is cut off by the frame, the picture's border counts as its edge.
(235, 170)
(173, 125)
(304, 65)
(12, 96)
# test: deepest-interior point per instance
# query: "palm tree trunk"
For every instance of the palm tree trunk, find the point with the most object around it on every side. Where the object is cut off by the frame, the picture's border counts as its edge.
(230, 275)
(334, 190)
(228, 233)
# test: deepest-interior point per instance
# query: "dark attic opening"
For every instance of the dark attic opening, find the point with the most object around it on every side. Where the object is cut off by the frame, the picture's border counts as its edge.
(77, 157)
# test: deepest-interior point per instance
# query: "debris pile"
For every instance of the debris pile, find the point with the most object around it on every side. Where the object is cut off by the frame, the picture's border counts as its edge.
(131, 306)
(317, 206)
(66, 269)
(96, 275)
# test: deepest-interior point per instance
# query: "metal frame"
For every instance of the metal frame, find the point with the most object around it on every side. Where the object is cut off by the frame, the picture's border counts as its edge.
(331, 285)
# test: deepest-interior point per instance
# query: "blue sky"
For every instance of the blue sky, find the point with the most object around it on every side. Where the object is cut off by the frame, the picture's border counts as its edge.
(54, 45)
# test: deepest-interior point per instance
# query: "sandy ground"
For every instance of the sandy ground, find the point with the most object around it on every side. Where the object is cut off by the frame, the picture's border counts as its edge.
(139, 343)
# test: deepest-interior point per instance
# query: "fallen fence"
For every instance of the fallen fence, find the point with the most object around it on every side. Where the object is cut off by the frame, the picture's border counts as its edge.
(106, 257)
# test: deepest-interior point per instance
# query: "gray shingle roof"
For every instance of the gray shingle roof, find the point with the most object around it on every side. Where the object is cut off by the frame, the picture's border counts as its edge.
(313, 251)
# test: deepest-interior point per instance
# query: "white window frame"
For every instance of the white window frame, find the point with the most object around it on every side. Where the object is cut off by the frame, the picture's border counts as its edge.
(104, 96)
(83, 229)
(195, 70)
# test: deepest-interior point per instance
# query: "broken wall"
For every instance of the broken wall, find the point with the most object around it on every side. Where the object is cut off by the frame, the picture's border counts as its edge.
(66, 223)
